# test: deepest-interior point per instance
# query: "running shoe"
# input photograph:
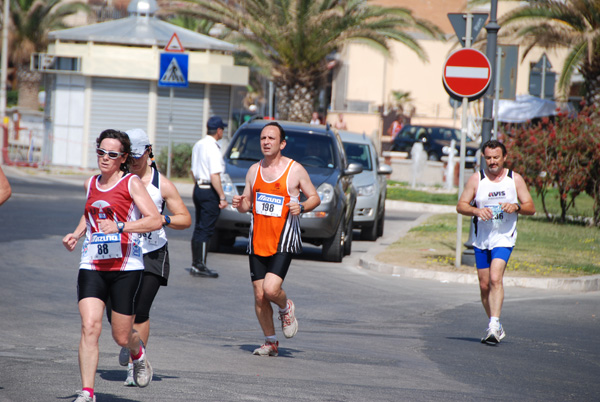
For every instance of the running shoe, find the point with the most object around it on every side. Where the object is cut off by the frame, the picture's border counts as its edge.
(142, 370)
(289, 324)
(267, 349)
(492, 336)
(501, 333)
(129, 382)
(84, 396)
(124, 357)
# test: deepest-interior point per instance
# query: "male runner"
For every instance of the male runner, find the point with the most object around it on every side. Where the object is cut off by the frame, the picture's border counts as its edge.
(272, 192)
(499, 194)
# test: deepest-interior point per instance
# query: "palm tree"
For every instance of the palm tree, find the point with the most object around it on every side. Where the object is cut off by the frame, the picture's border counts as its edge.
(31, 20)
(191, 23)
(290, 41)
(570, 24)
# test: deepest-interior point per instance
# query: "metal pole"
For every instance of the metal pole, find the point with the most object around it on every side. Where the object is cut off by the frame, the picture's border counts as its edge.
(543, 89)
(463, 151)
(4, 66)
(170, 132)
(497, 92)
(492, 29)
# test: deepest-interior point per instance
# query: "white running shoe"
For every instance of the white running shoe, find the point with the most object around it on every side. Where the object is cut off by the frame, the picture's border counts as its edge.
(124, 357)
(267, 349)
(491, 336)
(289, 323)
(142, 370)
(129, 381)
(84, 396)
(501, 333)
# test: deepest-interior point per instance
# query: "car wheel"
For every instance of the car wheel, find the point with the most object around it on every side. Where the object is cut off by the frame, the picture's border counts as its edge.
(369, 233)
(220, 238)
(333, 248)
(348, 237)
(380, 223)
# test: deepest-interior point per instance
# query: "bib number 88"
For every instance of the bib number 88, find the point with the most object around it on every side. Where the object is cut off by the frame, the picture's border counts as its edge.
(102, 249)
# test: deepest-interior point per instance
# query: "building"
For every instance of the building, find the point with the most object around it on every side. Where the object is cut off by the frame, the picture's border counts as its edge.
(106, 75)
(364, 78)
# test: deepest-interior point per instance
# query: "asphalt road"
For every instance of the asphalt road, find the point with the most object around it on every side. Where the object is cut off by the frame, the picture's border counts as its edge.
(363, 336)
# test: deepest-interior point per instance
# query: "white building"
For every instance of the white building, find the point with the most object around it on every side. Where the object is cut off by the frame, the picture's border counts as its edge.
(106, 76)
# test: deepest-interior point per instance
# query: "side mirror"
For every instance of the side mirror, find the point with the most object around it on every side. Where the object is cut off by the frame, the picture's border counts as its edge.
(384, 169)
(352, 169)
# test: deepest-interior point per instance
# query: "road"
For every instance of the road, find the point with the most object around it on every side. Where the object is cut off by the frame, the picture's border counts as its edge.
(363, 336)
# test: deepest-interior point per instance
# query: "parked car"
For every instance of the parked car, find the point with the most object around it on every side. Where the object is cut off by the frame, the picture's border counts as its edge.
(371, 184)
(319, 149)
(434, 139)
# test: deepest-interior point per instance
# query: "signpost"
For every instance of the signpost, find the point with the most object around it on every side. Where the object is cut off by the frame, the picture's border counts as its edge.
(173, 73)
(467, 74)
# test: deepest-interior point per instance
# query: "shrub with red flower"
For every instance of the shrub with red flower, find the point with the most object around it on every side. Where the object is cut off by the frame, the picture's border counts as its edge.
(563, 153)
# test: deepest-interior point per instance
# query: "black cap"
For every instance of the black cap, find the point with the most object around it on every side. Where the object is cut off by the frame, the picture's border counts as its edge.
(215, 122)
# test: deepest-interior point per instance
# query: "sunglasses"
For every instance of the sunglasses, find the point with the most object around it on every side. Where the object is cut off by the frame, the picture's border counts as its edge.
(111, 154)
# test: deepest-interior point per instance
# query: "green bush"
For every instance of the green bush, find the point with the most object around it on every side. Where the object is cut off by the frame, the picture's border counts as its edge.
(12, 97)
(181, 161)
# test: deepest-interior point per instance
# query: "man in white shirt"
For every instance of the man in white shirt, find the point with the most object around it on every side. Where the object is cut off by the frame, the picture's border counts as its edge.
(209, 197)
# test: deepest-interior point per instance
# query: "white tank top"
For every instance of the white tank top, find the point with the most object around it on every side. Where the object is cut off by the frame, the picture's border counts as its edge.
(154, 240)
(501, 230)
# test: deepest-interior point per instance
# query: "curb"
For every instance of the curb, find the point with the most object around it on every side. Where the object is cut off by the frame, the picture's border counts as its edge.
(369, 262)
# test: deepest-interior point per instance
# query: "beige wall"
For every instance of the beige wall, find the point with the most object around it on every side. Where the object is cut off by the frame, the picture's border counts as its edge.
(372, 77)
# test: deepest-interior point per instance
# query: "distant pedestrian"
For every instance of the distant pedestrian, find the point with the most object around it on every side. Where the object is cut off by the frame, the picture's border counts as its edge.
(5, 190)
(396, 126)
(499, 195)
(340, 124)
(209, 197)
(315, 118)
(118, 207)
(272, 192)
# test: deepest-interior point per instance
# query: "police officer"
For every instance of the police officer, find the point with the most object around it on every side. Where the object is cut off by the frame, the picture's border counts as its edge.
(209, 197)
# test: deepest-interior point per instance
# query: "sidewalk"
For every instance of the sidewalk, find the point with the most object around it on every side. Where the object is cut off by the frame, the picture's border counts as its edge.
(368, 261)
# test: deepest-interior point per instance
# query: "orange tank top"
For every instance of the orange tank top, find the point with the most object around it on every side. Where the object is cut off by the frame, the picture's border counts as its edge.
(273, 229)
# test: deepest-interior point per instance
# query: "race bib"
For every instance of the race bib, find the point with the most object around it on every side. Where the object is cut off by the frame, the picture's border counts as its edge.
(151, 238)
(269, 205)
(497, 211)
(104, 246)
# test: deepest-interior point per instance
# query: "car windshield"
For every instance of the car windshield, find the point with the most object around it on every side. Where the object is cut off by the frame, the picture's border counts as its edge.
(308, 149)
(358, 153)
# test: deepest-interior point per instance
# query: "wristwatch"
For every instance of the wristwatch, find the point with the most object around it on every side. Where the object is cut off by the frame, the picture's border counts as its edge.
(120, 226)
(518, 207)
(301, 208)
(167, 220)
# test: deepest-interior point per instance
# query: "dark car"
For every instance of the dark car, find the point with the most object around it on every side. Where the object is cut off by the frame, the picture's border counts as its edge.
(320, 150)
(435, 139)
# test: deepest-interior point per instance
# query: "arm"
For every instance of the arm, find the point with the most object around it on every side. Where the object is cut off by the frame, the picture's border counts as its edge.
(464, 206)
(151, 219)
(527, 205)
(181, 218)
(5, 190)
(215, 180)
(308, 189)
(70, 240)
(243, 203)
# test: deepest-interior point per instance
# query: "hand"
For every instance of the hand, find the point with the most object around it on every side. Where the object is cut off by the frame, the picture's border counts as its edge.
(107, 226)
(294, 208)
(70, 241)
(223, 204)
(509, 208)
(485, 214)
(237, 201)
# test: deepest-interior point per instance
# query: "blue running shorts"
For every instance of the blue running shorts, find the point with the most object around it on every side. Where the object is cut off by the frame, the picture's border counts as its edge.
(483, 258)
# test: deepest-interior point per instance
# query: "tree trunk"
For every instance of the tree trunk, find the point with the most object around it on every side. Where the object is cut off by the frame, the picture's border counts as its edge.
(295, 104)
(29, 85)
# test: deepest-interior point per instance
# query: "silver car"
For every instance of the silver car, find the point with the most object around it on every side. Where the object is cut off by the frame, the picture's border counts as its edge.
(371, 184)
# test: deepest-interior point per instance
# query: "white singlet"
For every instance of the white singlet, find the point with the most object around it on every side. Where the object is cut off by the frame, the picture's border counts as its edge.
(501, 230)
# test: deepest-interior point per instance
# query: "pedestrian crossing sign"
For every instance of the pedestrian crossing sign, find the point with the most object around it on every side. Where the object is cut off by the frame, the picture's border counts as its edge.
(173, 70)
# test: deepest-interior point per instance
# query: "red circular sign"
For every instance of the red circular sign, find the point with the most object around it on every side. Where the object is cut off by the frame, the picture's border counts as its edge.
(467, 73)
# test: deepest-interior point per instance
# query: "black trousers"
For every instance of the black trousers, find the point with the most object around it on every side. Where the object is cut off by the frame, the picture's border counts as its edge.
(206, 202)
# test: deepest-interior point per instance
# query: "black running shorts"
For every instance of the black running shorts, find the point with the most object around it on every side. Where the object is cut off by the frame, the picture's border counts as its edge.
(121, 286)
(277, 264)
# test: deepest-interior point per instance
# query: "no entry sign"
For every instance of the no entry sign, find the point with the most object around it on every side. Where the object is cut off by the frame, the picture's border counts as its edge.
(467, 74)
